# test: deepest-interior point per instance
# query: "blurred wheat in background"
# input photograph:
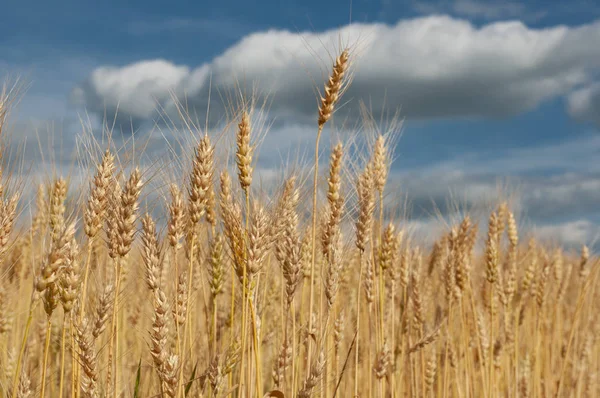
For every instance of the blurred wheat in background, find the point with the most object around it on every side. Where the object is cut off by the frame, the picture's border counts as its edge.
(212, 285)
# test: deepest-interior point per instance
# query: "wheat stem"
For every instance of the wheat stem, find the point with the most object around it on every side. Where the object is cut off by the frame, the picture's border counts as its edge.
(45, 363)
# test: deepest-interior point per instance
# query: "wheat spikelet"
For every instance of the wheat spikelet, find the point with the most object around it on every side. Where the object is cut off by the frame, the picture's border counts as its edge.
(491, 250)
(418, 318)
(169, 375)
(426, 340)
(333, 88)
(338, 335)
(502, 214)
(380, 163)
(382, 362)
(69, 281)
(87, 356)
(216, 267)
(225, 192)
(513, 239)
(564, 283)
(24, 386)
(283, 360)
(8, 212)
(334, 199)
(103, 310)
(483, 335)
(369, 282)
(234, 231)
(51, 299)
(431, 370)
(389, 248)
(438, 255)
(127, 212)
(366, 204)
(201, 191)
(180, 308)
(332, 279)
(540, 293)
(150, 252)
(404, 270)
(316, 371)
(57, 207)
(258, 239)
(55, 259)
(232, 357)
(558, 264)
(243, 156)
(214, 375)
(530, 270)
(287, 241)
(159, 332)
(41, 209)
(462, 254)
(98, 199)
(175, 228)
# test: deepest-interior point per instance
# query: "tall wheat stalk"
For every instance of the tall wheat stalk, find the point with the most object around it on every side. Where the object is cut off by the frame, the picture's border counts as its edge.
(333, 90)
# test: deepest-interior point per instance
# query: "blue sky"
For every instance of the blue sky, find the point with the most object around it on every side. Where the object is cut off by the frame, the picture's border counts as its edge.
(489, 90)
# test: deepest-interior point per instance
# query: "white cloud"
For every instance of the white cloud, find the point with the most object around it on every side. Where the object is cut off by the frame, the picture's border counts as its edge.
(133, 90)
(558, 208)
(571, 235)
(584, 104)
(551, 183)
(574, 233)
(433, 67)
(551, 201)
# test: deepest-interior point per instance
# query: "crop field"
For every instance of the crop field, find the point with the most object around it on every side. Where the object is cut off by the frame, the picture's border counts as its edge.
(190, 276)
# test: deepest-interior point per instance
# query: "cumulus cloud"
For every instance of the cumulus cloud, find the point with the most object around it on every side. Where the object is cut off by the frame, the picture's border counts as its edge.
(558, 208)
(433, 67)
(573, 233)
(584, 104)
(131, 92)
(571, 195)
(557, 203)
(528, 177)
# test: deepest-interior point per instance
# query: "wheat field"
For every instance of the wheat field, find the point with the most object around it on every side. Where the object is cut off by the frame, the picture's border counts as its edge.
(310, 289)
